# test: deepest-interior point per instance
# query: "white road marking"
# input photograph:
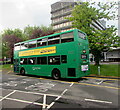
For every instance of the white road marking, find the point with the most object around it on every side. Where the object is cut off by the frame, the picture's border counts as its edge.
(54, 102)
(12, 78)
(8, 95)
(92, 100)
(71, 84)
(37, 93)
(100, 82)
(44, 101)
(59, 96)
(64, 92)
(25, 101)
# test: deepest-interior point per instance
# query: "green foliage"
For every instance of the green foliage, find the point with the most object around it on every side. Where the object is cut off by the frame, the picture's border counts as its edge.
(85, 15)
(28, 30)
(12, 36)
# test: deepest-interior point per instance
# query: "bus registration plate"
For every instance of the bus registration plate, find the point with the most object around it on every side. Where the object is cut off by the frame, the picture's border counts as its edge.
(84, 67)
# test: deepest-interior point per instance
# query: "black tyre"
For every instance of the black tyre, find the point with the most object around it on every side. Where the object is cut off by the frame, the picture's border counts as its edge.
(56, 74)
(22, 71)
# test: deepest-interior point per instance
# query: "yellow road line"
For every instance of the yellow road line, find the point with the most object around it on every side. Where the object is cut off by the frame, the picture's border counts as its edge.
(84, 84)
(98, 85)
(100, 78)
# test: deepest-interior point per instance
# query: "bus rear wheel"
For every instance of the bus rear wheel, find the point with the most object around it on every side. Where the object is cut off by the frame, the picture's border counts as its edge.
(56, 74)
(22, 71)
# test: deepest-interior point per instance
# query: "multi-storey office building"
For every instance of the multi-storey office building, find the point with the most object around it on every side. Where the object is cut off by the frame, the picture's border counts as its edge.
(60, 10)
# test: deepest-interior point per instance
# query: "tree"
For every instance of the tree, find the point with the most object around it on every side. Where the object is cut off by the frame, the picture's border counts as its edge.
(9, 38)
(37, 31)
(83, 16)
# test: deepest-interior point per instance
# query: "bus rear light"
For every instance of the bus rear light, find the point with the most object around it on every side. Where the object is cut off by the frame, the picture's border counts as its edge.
(84, 51)
(84, 61)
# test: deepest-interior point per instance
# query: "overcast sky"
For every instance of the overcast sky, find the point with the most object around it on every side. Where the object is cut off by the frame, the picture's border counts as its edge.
(20, 13)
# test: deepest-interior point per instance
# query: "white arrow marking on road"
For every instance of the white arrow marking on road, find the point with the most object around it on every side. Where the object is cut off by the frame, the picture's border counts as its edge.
(97, 101)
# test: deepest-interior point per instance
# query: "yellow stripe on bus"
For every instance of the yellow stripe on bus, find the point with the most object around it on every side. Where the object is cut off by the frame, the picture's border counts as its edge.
(40, 51)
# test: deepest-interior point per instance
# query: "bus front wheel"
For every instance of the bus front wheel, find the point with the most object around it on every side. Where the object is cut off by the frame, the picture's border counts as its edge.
(56, 74)
(22, 71)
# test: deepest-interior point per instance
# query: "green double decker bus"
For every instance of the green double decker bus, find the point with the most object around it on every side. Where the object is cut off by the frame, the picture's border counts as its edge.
(60, 55)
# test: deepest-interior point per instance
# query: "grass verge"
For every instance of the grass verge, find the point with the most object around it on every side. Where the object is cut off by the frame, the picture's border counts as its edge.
(105, 70)
(7, 67)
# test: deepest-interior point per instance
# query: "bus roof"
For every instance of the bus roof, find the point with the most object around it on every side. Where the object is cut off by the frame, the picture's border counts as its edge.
(48, 36)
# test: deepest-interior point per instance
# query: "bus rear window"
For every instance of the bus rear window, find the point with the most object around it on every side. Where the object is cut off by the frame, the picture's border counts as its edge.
(67, 37)
(82, 35)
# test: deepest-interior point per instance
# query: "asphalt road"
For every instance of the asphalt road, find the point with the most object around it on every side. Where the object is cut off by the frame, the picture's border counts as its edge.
(31, 92)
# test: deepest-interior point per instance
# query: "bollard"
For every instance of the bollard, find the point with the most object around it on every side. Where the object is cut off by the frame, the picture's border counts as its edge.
(11, 66)
(99, 70)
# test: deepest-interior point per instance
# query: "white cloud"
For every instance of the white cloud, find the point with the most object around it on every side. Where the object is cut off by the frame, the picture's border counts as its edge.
(20, 13)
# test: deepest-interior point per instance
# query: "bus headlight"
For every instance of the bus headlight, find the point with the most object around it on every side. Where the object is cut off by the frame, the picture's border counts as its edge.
(84, 67)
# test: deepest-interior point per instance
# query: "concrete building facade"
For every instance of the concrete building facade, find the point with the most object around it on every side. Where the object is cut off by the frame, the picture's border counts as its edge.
(59, 11)
(62, 9)
(113, 55)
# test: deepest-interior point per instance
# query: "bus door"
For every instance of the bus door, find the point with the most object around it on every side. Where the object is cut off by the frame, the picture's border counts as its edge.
(16, 65)
(31, 66)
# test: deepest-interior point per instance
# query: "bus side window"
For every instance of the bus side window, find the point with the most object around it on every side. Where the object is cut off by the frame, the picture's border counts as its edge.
(42, 42)
(42, 60)
(17, 47)
(31, 61)
(67, 37)
(54, 40)
(23, 61)
(64, 58)
(32, 44)
(54, 60)
(24, 46)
